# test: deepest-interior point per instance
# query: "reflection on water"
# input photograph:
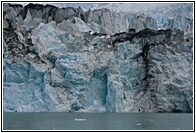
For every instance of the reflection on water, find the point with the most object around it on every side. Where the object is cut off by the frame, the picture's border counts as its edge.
(95, 121)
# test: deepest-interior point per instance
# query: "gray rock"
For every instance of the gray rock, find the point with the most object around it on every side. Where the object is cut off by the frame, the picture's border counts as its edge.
(5, 24)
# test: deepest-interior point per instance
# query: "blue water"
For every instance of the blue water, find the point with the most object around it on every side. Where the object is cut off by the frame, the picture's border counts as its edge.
(96, 121)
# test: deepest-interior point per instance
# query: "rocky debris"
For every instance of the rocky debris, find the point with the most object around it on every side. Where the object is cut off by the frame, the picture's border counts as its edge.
(69, 63)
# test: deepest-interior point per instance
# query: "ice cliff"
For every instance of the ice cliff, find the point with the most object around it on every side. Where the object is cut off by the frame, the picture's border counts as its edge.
(70, 60)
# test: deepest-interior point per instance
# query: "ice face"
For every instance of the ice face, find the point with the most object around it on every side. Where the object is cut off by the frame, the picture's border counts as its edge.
(96, 61)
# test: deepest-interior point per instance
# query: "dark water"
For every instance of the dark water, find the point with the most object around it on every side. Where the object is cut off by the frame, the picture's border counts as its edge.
(95, 121)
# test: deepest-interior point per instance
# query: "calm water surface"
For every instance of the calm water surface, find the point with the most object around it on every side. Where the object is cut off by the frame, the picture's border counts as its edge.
(95, 121)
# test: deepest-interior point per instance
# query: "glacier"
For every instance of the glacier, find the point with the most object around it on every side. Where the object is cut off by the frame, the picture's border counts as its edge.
(71, 60)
